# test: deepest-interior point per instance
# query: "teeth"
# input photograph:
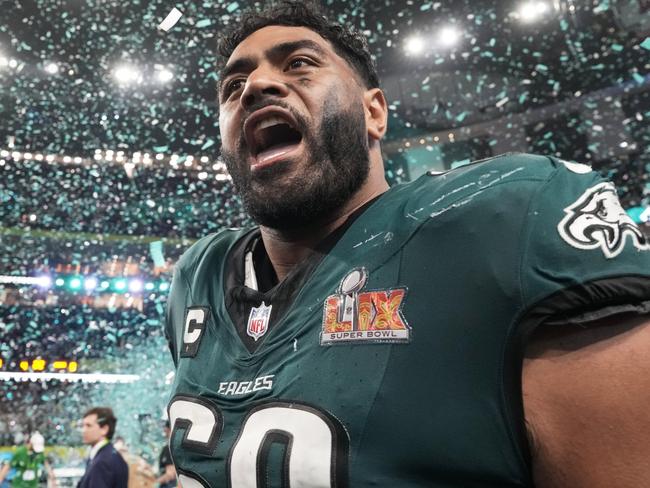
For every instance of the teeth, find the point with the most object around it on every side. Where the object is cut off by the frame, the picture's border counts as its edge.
(271, 121)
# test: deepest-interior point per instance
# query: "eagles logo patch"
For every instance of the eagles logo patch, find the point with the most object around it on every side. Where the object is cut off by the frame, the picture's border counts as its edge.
(597, 220)
(351, 316)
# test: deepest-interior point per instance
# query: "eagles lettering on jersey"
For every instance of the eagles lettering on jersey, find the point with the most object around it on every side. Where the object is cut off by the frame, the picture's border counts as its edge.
(433, 289)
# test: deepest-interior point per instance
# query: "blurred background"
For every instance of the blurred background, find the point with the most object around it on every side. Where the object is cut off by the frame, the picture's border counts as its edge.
(110, 169)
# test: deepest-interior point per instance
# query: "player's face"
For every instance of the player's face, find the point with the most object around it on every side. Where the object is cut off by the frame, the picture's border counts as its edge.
(91, 431)
(292, 126)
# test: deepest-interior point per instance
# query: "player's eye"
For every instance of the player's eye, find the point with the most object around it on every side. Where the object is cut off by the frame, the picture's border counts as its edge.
(298, 63)
(232, 86)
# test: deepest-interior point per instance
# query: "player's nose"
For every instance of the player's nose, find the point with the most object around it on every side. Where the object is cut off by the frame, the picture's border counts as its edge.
(261, 83)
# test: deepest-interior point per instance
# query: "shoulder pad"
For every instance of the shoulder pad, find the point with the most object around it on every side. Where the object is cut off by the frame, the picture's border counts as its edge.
(434, 192)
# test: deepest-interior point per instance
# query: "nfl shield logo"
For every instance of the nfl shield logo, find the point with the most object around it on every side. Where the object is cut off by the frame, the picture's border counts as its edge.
(258, 321)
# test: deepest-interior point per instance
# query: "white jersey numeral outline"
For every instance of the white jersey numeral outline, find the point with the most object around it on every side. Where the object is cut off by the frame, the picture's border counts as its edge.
(316, 443)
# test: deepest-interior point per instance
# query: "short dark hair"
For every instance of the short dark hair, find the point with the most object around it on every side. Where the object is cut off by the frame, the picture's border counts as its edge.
(347, 42)
(104, 417)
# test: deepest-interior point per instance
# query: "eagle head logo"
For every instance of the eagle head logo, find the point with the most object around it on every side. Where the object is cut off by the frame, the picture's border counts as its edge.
(597, 220)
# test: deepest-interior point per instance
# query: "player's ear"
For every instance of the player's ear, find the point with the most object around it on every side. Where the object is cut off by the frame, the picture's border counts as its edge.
(376, 111)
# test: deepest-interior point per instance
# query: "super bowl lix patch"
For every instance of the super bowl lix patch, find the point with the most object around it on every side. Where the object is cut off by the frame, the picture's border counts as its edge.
(353, 316)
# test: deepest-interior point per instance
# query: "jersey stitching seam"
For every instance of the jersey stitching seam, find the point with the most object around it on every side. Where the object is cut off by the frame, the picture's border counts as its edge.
(523, 246)
(390, 354)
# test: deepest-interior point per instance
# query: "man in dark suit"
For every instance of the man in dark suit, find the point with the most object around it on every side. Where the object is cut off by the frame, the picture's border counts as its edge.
(105, 466)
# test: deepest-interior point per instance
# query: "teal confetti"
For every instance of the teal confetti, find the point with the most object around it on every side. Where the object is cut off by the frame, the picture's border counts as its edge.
(156, 251)
(232, 7)
(617, 47)
(208, 143)
(635, 213)
(203, 23)
(602, 7)
(646, 44)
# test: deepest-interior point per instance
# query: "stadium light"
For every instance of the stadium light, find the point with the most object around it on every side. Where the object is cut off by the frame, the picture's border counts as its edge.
(532, 11)
(52, 68)
(164, 286)
(149, 286)
(449, 36)
(23, 280)
(414, 45)
(84, 378)
(164, 75)
(120, 285)
(44, 282)
(90, 283)
(104, 285)
(135, 286)
(75, 284)
(59, 282)
(60, 364)
(38, 364)
(126, 74)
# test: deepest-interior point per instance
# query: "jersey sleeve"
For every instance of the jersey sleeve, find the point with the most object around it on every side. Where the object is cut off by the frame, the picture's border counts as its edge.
(582, 257)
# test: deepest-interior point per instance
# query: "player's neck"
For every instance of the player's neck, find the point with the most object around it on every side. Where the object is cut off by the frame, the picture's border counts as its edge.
(287, 248)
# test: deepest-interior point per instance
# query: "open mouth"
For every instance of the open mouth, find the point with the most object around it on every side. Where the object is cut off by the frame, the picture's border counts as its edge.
(272, 138)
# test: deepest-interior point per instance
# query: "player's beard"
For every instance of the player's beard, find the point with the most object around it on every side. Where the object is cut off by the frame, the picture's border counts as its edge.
(336, 163)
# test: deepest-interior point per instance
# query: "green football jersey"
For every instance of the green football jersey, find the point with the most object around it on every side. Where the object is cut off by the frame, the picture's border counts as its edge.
(397, 363)
(29, 468)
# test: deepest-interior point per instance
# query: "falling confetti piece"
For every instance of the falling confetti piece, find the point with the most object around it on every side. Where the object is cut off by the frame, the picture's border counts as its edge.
(156, 250)
(171, 19)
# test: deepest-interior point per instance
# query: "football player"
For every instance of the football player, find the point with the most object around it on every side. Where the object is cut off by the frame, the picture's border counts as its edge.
(485, 327)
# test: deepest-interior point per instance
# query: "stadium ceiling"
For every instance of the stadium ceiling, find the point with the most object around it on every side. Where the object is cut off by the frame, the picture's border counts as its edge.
(81, 75)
